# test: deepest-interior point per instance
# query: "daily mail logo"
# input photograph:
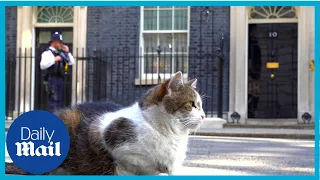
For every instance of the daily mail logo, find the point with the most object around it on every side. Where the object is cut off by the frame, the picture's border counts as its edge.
(25, 148)
(38, 142)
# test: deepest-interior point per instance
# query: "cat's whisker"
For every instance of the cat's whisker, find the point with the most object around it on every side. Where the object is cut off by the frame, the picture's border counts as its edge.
(206, 97)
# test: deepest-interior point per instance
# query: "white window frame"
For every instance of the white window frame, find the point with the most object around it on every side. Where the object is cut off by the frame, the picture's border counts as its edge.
(163, 76)
(38, 24)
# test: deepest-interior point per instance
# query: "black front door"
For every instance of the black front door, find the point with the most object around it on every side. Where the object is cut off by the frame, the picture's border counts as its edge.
(272, 70)
(43, 36)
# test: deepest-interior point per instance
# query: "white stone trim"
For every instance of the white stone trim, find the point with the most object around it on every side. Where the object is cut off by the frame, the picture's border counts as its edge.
(305, 53)
(53, 25)
(263, 21)
(238, 62)
(238, 59)
(80, 42)
(311, 57)
(24, 41)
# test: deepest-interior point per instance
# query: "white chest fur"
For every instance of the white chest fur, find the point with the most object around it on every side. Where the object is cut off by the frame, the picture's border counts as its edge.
(153, 150)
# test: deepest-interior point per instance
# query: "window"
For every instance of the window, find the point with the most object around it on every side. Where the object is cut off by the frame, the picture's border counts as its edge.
(273, 12)
(55, 14)
(164, 28)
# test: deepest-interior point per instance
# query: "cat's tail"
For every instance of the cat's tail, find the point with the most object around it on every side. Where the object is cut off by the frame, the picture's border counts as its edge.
(11, 168)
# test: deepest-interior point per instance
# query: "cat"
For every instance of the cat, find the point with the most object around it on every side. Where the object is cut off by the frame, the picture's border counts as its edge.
(149, 137)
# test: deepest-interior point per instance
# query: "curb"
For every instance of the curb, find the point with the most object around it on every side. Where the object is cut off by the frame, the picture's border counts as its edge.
(251, 135)
(283, 136)
(309, 127)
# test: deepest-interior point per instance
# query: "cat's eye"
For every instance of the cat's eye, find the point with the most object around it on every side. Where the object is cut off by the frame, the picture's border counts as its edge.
(193, 104)
(188, 106)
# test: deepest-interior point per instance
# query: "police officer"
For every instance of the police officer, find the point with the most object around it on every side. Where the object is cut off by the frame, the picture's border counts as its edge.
(53, 61)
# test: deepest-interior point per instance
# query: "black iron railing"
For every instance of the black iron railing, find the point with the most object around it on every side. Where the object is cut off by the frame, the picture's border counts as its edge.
(118, 75)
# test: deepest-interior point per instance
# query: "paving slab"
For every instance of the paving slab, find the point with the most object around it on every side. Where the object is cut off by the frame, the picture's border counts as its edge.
(257, 132)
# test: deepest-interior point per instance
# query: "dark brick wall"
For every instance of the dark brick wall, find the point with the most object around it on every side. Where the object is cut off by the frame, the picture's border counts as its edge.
(11, 40)
(114, 33)
(205, 36)
(110, 27)
(11, 27)
(119, 28)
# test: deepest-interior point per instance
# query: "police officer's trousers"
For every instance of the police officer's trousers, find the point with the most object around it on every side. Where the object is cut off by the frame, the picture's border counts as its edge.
(55, 93)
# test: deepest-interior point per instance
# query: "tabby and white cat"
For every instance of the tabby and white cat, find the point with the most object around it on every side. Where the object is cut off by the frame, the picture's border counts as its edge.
(148, 138)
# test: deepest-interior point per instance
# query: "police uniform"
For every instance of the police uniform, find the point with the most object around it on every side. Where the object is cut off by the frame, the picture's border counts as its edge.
(54, 72)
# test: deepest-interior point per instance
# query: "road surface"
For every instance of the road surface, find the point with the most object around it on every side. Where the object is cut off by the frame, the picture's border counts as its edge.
(248, 156)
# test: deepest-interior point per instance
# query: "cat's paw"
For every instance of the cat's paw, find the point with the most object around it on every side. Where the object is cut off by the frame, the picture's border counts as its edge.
(163, 174)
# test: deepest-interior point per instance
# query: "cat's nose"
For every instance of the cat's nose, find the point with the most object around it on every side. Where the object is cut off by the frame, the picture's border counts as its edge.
(202, 116)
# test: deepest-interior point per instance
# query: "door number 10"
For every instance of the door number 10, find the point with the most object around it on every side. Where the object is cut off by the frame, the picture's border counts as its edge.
(273, 34)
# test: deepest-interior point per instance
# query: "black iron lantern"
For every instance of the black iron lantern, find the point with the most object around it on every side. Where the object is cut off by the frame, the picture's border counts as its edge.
(306, 117)
(235, 117)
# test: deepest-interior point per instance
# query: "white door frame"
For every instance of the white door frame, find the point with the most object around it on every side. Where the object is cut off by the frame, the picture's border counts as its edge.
(26, 24)
(238, 89)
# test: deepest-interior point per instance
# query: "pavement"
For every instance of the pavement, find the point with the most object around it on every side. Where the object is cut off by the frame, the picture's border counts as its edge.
(208, 155)
(248, 156)
(257, 132)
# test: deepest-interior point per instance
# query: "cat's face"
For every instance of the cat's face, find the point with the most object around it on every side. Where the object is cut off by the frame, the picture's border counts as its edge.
(179, 100)
(184, 102)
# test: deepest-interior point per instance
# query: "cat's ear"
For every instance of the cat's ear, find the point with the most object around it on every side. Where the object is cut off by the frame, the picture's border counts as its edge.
(175, 81)
(192, 83)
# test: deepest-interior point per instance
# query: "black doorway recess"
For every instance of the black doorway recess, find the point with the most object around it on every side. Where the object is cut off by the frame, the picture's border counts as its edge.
(43, 36)
(272, 70)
